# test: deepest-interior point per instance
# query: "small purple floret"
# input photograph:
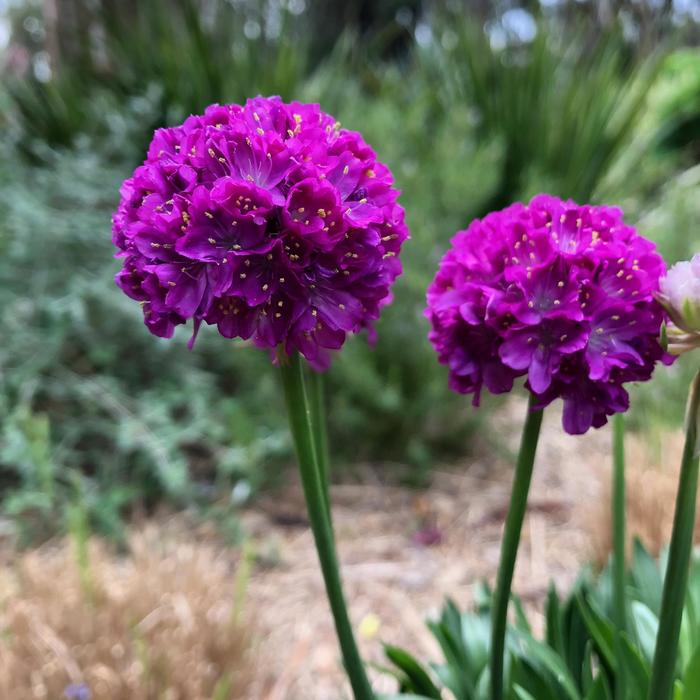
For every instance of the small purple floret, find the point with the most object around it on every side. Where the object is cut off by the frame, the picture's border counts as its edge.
(560, 293)
(428, 536)
(268, 221)
(77, 691)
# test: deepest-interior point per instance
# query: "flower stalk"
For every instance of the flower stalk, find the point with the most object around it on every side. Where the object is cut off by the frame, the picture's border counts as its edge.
(676, 580)
(618, 517)
(511, 540)
(618, 555)
(303, 428)
(320, 429)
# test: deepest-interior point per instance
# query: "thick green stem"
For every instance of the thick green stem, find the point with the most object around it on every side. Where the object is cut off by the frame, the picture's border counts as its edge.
(509, 547)
(618, 556)
(318, 418)
(676, 581)
(301, 423)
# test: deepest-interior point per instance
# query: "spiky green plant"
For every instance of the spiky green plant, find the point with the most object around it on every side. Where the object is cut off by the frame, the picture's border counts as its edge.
(576, 657)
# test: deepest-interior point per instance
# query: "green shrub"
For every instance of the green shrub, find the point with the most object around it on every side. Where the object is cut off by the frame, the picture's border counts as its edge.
(85, 390)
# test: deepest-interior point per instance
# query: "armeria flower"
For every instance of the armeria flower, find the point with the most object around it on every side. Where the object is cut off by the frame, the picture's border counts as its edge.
(268, 221)
(680, 296)
(560, 293)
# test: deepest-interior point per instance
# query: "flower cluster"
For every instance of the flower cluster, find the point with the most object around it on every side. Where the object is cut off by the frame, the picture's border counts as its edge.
(268, 221)
(559, 292)
(680, 296)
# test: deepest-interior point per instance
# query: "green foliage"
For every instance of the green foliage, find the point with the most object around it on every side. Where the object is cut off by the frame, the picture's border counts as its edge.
(676, 103)
(84, 390)
(87, 397)
(161, 61)
(670, 217)
(581, 655)
(561, 107)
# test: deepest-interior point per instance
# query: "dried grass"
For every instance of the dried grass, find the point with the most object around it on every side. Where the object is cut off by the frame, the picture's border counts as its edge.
(652, 481)
(158, 624)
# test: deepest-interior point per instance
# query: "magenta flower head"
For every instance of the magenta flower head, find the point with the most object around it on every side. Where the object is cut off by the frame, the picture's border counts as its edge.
(561, 293)
(268, 221)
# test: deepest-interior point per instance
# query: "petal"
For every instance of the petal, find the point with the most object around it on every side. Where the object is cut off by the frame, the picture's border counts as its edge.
(540, 373)
(517, 351)
(186, 296)
(578, 415)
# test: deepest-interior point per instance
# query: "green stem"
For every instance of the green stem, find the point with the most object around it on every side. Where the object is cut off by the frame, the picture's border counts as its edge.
(511, 540)
(618, 557)
(318, 417)
(301, 424)
(676, 580)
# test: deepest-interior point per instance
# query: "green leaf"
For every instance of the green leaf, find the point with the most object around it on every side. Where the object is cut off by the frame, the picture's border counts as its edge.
(553, 627)
(587, 680)
(690, 627)
(464, 640)
(529, 682)
(576, 639)
(483, 683)
(222, 689)
(646, 625)
(600, 630)
(646, 578)
(691, 677)
(521, 621)
(417, 676)
(599, 690)
(549, 665)
(476, 641)
(637, 670)
(522, 694)
(455, 674)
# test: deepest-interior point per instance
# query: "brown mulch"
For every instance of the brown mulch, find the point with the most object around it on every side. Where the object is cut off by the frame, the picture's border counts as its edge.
(393, 583)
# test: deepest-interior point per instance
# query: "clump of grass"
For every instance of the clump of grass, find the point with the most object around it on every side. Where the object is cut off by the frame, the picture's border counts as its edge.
(162, 622)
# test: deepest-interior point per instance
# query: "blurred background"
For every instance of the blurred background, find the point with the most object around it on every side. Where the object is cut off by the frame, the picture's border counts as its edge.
(473, 104)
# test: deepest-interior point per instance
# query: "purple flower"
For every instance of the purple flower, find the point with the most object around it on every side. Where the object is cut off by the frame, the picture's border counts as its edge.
(560, 293)
(268, 221)
(77, 691)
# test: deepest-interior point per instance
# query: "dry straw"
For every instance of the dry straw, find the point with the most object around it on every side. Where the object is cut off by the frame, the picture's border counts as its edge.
(161, 623)
(652, 481)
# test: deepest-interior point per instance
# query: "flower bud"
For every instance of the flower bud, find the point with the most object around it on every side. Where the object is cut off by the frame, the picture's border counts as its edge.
(680, 296)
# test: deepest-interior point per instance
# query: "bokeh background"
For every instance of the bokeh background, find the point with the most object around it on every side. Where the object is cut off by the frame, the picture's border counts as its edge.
(473, 104)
